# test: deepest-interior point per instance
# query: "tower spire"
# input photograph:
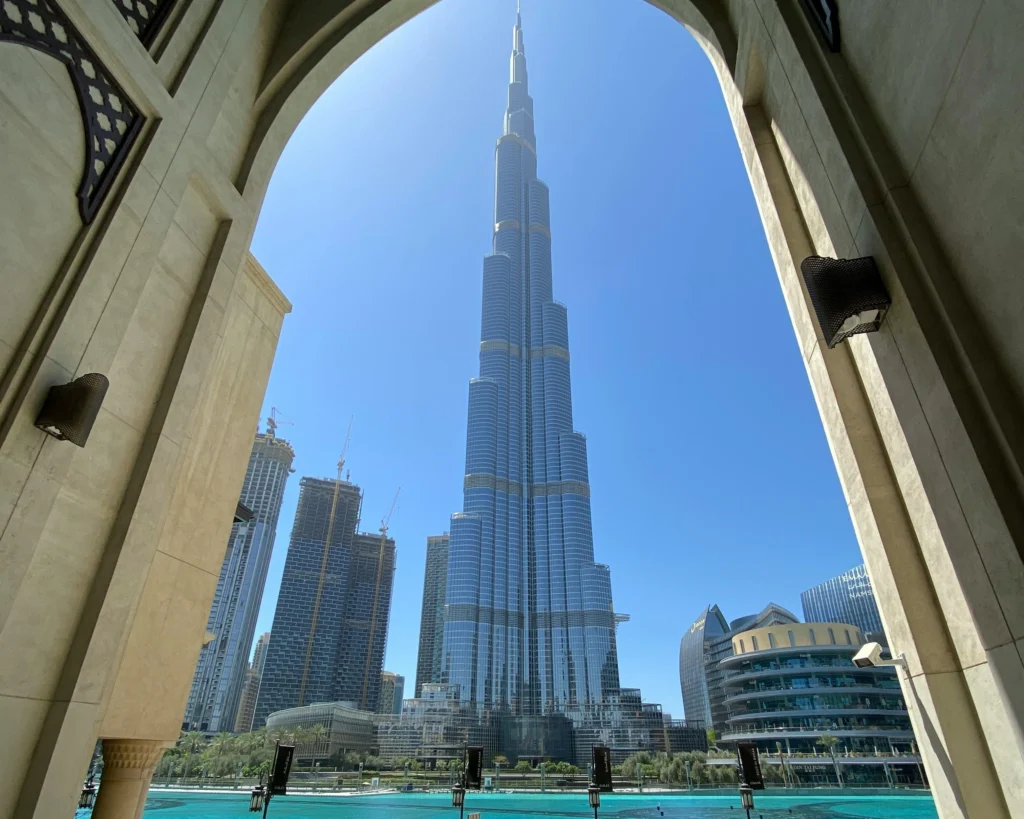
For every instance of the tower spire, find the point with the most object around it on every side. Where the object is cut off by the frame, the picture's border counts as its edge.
(518, 64)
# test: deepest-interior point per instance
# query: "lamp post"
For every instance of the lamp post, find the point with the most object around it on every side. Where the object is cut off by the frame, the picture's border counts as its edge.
(747, 798)
(88, 797)
(497, 776)
(689, 782)
(594, 794)
(459, 797)
(257, 798)
(543, 771)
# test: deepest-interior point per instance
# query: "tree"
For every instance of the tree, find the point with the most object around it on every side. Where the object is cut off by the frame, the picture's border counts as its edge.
(191, 741)
(712, 736)
(500, 759)
(316, 736)
(522, 766)
(830, 742)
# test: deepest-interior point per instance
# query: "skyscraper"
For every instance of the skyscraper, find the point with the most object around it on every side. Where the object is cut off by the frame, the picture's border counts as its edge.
(435, 575)
(701, 650)
(847, 598)
(221, 670)
(247, 706)
(392, 691)
(529, 627)
(330, 624)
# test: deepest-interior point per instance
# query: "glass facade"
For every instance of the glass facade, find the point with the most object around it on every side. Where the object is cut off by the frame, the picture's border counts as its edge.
(847, 598)
(392, 691)
(694, 650)
(247, 706)
(701, 650)
(529, 625)
(330, 625)
(220, 674)
(435, 582)
(793, 695)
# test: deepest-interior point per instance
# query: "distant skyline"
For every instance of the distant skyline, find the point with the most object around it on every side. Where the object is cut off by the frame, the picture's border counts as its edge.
(711, 478)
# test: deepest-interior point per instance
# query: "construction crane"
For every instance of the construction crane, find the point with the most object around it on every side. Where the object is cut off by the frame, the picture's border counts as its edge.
(274, 421)
(376, 597)
(344, 448)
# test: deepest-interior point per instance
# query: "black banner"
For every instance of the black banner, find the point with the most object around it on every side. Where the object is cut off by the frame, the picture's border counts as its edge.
(602, 760)
(474, 768)
(750, 765)
(282, 770)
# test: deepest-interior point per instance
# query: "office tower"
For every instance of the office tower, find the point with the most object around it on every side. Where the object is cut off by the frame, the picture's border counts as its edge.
(847, 598)
(247, 706)
(708, 629)
(529, 627)
(435, 576)
(221, 670)
(330, 624)
(701, 650)
(392, 691)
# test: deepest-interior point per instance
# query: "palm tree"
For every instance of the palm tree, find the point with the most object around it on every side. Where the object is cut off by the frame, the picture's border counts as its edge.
(316, 735)
(830, 742)
(191, 740)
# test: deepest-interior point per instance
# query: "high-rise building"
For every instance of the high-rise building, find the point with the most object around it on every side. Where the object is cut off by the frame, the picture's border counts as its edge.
(251, 690)
(529, 626)
(221, 671)
(435, 576)
(392, 691)
(847, 598)
(701, 650)
(330, 626)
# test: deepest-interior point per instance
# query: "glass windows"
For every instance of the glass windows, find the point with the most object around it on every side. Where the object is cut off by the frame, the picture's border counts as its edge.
(849, 642)
(831, 637)
(753, 642)
(743, 648)
(771, 640)
(792, 638)
(813, 641)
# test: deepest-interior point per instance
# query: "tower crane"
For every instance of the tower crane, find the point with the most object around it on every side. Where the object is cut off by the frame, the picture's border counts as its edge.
(384, 524)
(274, 420)
(344, 448)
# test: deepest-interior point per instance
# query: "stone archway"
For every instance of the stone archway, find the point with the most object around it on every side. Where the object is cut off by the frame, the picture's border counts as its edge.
(101, 544)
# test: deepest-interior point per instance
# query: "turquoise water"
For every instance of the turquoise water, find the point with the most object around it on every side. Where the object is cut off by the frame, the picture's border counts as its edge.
(531, 806)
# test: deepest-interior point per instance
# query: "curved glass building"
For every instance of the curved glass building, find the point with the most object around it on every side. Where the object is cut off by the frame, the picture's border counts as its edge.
(694, 649)
(529, 625)
(786, 685)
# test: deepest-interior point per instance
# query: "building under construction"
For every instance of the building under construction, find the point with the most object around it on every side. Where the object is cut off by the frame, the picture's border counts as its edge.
(331, 623)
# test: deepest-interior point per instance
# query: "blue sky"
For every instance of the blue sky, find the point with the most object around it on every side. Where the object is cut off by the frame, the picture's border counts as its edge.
(711, 477)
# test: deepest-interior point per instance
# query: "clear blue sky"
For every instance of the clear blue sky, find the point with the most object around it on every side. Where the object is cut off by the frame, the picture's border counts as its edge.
(711, 477)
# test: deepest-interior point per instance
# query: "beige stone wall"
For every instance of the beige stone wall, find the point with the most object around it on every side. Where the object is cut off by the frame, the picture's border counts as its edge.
(903, 146)
(743, 643)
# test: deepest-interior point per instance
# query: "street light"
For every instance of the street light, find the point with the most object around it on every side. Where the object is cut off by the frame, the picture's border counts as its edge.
(594, 794)
(88, 797)
(459, 798)
(256, 798)
(747, 799)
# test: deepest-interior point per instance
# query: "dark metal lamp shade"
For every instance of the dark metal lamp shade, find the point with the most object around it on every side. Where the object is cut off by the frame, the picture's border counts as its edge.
(70, 409)
(848, 295)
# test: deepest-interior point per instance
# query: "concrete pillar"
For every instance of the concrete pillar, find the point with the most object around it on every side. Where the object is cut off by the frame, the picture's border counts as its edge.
(128, 766)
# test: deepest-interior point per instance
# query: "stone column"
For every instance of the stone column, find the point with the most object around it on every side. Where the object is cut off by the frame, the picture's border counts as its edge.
(128, 766)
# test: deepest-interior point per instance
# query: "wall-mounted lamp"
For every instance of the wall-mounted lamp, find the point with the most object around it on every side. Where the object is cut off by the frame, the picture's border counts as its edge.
(70, 409)
(848, 295)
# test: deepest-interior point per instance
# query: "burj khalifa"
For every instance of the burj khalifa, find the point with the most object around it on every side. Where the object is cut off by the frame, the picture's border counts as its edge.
(529, 625)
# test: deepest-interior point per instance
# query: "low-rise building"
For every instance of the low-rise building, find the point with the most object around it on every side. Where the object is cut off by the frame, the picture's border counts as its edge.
(792, 688)
(346, 728)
